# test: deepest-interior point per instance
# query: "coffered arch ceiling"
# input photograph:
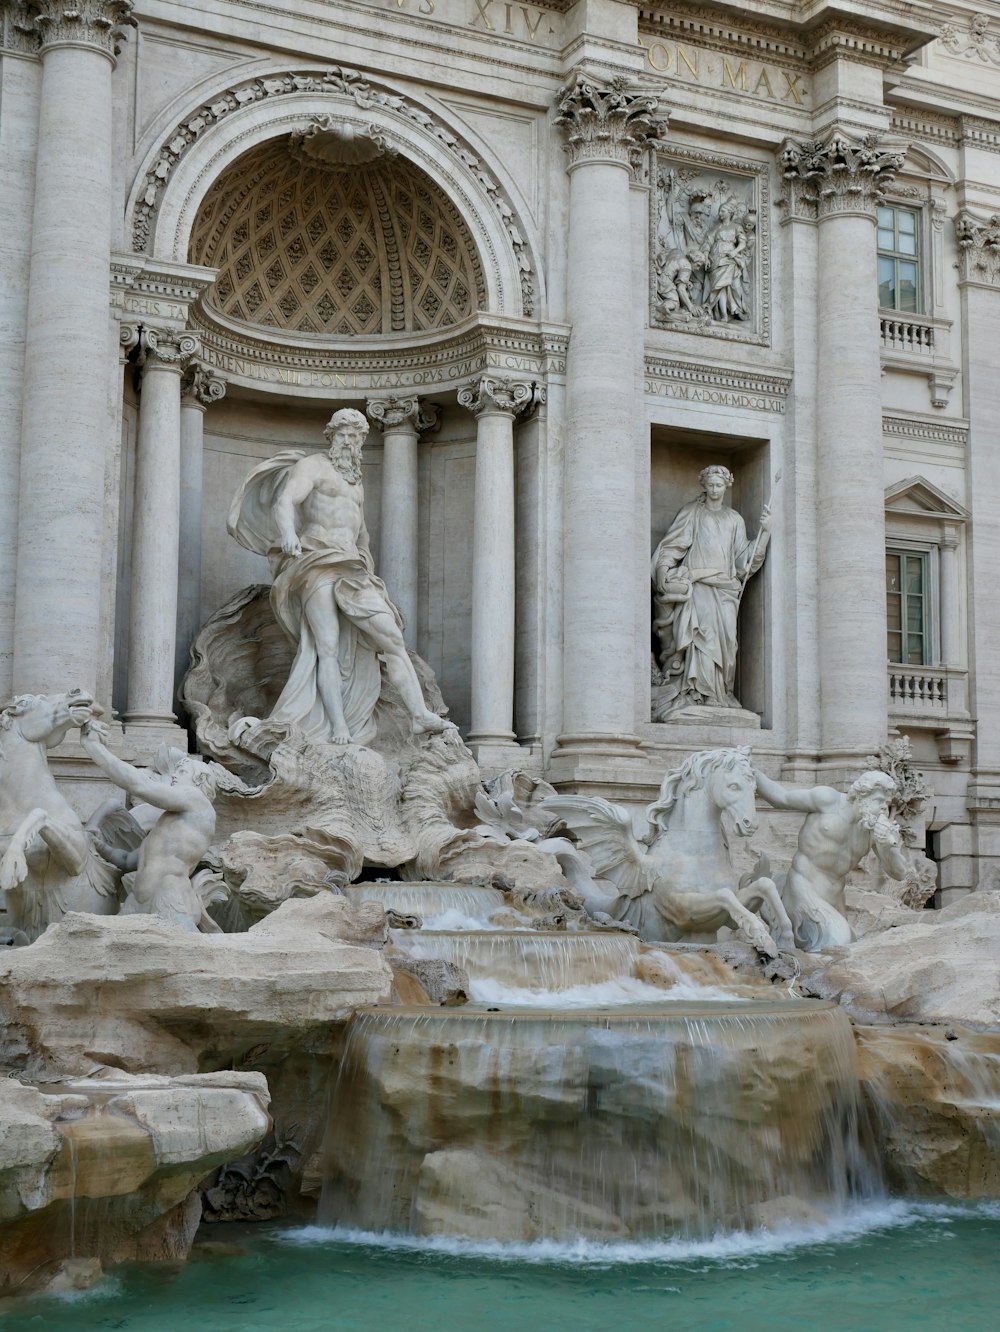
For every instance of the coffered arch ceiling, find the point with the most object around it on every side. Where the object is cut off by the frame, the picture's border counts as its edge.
(371, 249)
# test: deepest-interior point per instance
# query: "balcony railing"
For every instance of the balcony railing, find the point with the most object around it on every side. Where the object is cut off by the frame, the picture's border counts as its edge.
(913, 335)
(927, 691)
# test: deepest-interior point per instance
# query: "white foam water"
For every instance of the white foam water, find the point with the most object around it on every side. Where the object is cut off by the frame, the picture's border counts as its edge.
(456, 919)
(726, 1248)
(597, 994)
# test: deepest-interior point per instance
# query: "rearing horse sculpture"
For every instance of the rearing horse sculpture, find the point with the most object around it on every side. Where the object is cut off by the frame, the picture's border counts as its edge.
(678, 879)
(48, 864)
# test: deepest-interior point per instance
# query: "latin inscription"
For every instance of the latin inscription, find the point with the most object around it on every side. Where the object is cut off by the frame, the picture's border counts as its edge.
(709, 69)
(246, 368)
(754, 402)
(502, 18)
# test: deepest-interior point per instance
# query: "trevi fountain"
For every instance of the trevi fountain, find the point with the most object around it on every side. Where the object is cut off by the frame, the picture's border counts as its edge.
(373, 1037)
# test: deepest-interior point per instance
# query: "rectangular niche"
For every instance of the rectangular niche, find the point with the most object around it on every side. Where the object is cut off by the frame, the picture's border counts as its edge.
(709, 246)
(676, 460)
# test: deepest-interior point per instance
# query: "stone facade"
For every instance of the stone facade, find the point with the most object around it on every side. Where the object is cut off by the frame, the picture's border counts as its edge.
(618, 242)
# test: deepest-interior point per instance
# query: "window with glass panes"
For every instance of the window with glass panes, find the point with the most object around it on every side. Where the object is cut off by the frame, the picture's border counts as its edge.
(899, 259)
(906, 607)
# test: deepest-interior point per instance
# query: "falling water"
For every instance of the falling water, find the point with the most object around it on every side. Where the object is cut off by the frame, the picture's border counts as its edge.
(430, 900)
(530, 960)
(629, 1123)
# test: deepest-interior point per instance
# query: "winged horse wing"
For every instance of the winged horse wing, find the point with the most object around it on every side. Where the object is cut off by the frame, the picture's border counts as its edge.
(604, 832)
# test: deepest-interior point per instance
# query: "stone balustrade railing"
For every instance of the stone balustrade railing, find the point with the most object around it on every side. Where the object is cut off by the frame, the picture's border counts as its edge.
(926, 690)
(913, 334)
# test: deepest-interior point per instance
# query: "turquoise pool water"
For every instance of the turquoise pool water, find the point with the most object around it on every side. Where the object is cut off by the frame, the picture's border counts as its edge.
(884, 1268)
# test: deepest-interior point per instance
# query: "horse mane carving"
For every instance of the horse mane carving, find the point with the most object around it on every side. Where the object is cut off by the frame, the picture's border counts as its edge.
(692, 776)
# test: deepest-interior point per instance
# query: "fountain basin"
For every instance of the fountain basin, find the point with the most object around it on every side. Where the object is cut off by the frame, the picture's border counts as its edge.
(629, 1123)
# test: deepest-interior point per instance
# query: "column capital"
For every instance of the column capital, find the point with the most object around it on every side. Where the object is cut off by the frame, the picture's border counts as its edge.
(201, 386)
(978, 249)
(496, 394)
(609, 120)
(391, 413)
(163, 347)
(94, 23)
(838, 174)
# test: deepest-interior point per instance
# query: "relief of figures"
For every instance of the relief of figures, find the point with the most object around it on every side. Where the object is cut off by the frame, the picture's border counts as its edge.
(703, 250)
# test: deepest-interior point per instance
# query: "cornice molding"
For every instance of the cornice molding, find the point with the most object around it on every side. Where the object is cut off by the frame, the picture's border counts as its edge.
(720, 385)
(484, 344)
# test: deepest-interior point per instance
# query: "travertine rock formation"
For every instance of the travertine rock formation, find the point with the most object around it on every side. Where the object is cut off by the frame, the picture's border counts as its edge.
(105, 1170)
(941, 968)
(935, 1097)
(140, 994)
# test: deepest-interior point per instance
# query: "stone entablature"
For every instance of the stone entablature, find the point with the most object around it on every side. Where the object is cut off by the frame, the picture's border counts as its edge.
(455, 358)
(141, 289)
(718, 386)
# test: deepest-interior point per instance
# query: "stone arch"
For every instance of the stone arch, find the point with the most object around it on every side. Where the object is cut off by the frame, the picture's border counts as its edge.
(245, 113)
(309, 247)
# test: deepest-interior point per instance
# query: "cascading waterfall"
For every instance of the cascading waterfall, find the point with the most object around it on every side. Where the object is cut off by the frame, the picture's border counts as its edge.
(521, 1125)
(529, 959)
(430, 900)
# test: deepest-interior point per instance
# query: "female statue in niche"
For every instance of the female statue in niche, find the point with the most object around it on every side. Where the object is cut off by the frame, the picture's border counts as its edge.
(699, 571)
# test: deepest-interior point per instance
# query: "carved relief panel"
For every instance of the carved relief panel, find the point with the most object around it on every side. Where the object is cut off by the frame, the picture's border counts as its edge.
(709, 247)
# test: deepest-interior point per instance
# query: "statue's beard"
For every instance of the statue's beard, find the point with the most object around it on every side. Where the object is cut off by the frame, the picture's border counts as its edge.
(871, 812)
(347, 463)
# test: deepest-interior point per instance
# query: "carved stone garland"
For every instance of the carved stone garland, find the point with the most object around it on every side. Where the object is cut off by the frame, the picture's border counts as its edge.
(339, 81)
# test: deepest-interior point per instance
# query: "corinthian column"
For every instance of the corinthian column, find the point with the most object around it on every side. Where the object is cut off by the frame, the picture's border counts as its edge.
(839, 182)
(156, 529)
(606, 126)
(401, 421)
(200, 387)
(495, 402)
(65, 431)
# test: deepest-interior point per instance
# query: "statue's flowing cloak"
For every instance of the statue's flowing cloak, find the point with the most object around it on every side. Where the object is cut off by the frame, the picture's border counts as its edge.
(712, 545)
(359, 594)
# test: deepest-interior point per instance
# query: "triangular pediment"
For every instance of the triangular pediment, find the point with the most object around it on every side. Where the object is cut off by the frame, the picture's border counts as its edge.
(921, 498)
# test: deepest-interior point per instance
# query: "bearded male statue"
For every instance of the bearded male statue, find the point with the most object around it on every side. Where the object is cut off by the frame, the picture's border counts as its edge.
(839, 830)
(305, 512)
